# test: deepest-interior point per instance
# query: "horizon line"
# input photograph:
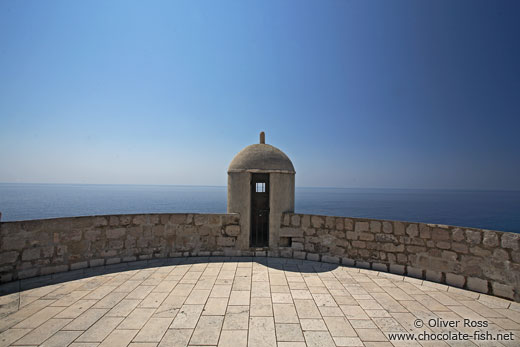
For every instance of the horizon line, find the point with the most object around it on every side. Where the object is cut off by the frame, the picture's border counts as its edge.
(205, 185)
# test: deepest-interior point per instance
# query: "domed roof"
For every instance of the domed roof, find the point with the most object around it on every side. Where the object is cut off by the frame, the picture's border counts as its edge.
(261, 158)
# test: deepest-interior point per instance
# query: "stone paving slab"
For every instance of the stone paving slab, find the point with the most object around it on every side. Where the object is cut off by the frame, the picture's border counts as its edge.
(247, 302)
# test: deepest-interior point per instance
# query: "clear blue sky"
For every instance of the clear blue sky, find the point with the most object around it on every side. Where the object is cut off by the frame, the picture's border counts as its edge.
(410, 94)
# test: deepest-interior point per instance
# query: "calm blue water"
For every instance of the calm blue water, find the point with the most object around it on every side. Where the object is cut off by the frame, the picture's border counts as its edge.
(498, 210)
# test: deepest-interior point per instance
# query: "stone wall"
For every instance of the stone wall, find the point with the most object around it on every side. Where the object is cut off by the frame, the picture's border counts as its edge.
(480, 260)
(42, 247)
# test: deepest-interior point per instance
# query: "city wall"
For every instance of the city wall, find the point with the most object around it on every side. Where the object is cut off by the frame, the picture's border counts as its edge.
(42, 247)
(480, 260)
(485, 261)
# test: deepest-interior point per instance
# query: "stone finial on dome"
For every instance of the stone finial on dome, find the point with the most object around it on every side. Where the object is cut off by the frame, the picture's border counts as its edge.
(262, 137)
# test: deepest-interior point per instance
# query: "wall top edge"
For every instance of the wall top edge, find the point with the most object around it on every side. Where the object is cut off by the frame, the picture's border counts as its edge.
(118, 215)
(441, 226)
(261, 171)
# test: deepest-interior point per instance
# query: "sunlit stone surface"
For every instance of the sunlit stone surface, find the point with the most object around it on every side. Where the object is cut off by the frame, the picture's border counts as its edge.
(240, 302)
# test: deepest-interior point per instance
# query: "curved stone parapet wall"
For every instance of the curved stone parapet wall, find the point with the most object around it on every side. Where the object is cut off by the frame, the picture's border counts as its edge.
(42, 247)
(485, 261)
(480, 260)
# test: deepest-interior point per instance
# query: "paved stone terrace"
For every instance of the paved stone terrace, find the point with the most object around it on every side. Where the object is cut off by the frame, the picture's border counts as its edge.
(240, 302)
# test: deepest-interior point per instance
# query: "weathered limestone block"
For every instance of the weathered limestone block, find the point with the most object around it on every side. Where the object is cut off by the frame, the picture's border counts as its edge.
(477, 284)
(424, 231)
(169, 231)
(313, 239)
(115, 233)
(443, 245)
(306, 221)
(402, 258)
(298, 246)
(348, 224)
(415, 249)
(313, 257)
(330, 259)
(317, 221)
(142, 242)
(327, 240)
(113, 221)
(457, 235)
(380, 267)
(503, 290)
(359, 244)
(9, 257)
(100, 221)
(330, 222)
(200, 219)
(490, 238)
(178, 218)
(340, 223)
(230, 219)
(15, 242)
(434, 276)
(473, 237)
(439, 234)
(386, 238)
(459, 247)
(295, 220)
(71, 235)
(291, 232)
(366, 236)
(352, 235)
(361, 226)
(204, 230)
(154, 219)
(93, 235)
(158, 230)
(399, 228)
(286, 219)
(339, 235)
(139, 220)
(342, 243)
(232, 230)
(299, 255)
(412, 230)
(309, 231)
(115, 244)
(450, 255)
(510, 240)
(455, 280)
(226, 241)
(397, 269)
(130, 243)
(387, 227)
(500, 254)
(479, 251)
(213, 220)
(375, 226)
(31, 254)
(286, 253)
(373, 245)
(309, 247)
(471, 266)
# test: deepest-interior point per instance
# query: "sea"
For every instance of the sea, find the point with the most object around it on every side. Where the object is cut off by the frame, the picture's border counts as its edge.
(494, 210)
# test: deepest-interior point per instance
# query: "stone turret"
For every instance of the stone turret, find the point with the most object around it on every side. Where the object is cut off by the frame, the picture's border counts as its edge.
(260, 189)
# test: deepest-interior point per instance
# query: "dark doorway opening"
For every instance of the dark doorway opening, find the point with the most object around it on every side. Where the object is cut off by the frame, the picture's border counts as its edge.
(259, 210)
